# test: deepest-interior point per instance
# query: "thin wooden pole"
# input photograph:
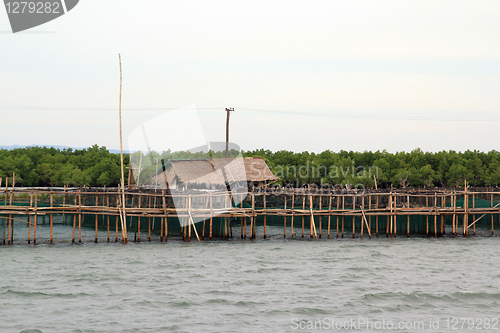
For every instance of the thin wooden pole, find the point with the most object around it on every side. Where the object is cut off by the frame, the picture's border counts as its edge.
(474, 215)
(252, 222)
(370, 217)
(35, 216)
(123, 216)
(435, 215)
(284, 219)
(107, 217)
(265, 214)
(408, 217)
(466, 217)
(74, 220)
(211, 215)
(79, 216)
(453, 219)
(51, 224)
(362, 208)
(303, 208)
(293, 213)
(343, 208)
(96, 217)
(329, 214)
(338, 204)
(353, 217)
(164, 204)
(139, 218)
(395, 215)
(376, 217)
(29, 217)
(427, 217)
(311, 221)
(320, 217)
(491, 215)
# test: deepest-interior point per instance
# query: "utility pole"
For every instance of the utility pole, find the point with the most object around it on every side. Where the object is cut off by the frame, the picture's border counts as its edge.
(228, 110)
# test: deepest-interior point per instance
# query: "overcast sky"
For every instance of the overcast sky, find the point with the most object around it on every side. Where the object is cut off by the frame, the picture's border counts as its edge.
(301, 75)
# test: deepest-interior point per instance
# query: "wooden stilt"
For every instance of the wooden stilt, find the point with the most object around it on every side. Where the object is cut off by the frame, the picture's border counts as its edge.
(284, 220)
(474, 215)
(427, 217)
(337, 215)
(329, 214)
(491, 215)
(35, 216)
(79, 216)
(96, 217)
(370, 217)
(29, 216)
(376, 217)
(293, 213)
(107, 216)
(50, 218)
(303, 208)
(265, 194)
(395, 215)
(320, 217)
(353, 216)
(211, 215)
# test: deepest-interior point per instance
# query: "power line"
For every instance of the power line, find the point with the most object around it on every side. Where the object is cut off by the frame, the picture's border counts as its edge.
(285, 112)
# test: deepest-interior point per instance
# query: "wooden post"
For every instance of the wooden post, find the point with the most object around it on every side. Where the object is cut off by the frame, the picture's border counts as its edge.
(408, 217)
(492, 214)
(466, 217)
(164, 204)
(443, 204)
(74, 219)
(139, 218)
(376, 217)
(362, 208)
(370, 217)
(435, 215)
(454, 198)
(284, 218)
(96, 216)
(395, 215)
(265, 213)
(320, 216)
(311, 222)
(293, 212)
(303, 208)
(211, 215)
(79, 216)
(343, 208)
(107, 216)
(337, 215)
(389, 218)
(474, 215)
(252, 222)
(427, 216)
(122, 215)
(329, 214)
(35, 215)
(51, 224)
(353, 216)
(312, 216)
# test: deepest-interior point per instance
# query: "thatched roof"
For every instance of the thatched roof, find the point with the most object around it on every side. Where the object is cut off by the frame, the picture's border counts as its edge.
(216, 171)
(257, 170)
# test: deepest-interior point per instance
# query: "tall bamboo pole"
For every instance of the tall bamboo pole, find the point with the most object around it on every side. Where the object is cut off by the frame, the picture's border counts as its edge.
(123, 216)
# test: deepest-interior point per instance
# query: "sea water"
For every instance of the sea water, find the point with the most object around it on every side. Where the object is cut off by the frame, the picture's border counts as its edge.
(398, 284)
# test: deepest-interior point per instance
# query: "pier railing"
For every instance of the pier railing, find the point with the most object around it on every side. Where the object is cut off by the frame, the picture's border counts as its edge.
(161, 214)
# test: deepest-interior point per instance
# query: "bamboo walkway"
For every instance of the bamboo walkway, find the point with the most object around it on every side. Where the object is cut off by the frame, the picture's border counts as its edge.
(301, 214)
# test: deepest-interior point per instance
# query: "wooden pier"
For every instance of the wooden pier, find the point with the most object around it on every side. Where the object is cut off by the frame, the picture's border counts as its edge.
(156, 215)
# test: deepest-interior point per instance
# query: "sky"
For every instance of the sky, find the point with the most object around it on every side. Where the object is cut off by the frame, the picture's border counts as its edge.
(300, 75)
